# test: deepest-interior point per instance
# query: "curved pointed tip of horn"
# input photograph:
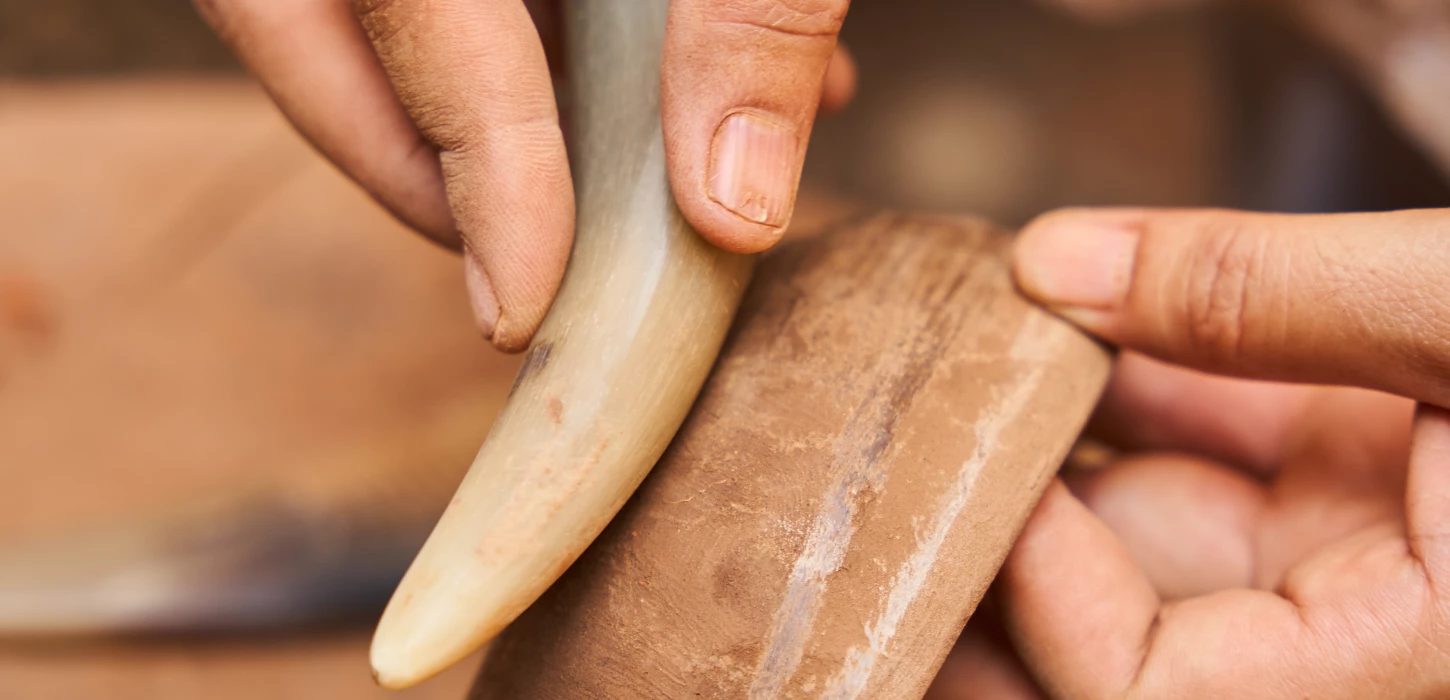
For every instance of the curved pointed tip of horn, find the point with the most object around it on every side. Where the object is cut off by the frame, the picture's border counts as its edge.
(640, 316)
(419, 637)
(395, 669)
(388, 679)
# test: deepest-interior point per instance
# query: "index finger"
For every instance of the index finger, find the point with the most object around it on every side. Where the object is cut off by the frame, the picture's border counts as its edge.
(1153, 405)
(473, 77)
(1343, 299)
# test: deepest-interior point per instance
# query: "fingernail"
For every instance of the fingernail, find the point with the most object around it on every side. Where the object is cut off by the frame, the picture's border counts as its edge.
(1076, 262)
(754, 168)
(480, 294)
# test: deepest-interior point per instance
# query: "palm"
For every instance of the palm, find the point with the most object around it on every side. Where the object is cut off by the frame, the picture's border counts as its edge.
(1270, 522)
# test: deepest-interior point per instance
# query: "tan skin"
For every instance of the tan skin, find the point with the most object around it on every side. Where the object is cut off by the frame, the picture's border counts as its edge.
(1256, 540)
(444, 111)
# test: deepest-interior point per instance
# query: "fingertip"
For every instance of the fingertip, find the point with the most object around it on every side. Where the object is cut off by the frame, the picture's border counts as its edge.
(1074, 600)
(1189, 523)
(750, 185)
(742, 197)
(525, 272)
(481, 297)
(1078, 259)
(518, 226)
(839, 87)
(743, 239)
(741, 84)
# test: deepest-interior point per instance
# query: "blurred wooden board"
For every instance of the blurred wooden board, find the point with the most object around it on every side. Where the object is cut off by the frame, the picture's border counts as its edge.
(189, 294)
(308, 668)
(192, 302)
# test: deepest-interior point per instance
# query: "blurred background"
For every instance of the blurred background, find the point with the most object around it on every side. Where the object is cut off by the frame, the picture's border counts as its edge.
(234, 393)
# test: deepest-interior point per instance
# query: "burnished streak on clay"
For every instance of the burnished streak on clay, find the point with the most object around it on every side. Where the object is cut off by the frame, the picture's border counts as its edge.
(911, 578)
(884, 417)
(857, 453)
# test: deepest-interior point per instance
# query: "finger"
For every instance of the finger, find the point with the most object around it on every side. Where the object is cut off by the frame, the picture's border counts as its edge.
(545, 15)
(983, 664)
(1075, 602)
(1427, 507)
(1346, 473)
(1352, 299)
(1089, 625)
(473, 78)
(313, 59)
(1189, 524)
(1154, 406)
(742, 80)
(839, 86)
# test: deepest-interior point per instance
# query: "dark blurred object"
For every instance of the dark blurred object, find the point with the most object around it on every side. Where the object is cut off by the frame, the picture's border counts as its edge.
(1401, 50)
(44, 38)
(238, 395)
(1308, 134)
(1008, 108)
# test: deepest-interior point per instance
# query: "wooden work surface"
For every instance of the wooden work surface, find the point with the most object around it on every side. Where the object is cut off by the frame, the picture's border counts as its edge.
(192, 302)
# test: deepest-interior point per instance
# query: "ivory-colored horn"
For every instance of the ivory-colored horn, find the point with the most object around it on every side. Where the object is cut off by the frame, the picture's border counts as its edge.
(639, 319)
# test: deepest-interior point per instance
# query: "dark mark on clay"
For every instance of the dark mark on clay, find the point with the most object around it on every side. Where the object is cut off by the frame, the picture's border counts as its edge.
(534, 362)
(24, 309)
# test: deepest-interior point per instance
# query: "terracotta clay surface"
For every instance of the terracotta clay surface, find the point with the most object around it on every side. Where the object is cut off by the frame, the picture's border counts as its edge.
(883, 418)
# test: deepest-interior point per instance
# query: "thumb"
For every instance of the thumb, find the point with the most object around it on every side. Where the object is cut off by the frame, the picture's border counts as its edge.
(1352, 299)
(742, 80)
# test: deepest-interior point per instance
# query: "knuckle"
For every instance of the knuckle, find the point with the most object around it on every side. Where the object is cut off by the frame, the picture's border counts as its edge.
(1216, 298)
(442, 124)
(531, 142)
(379, 19)
(796, 18)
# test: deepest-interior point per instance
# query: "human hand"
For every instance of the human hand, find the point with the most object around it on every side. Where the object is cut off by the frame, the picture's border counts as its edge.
(1260, 540)
(445, 113)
